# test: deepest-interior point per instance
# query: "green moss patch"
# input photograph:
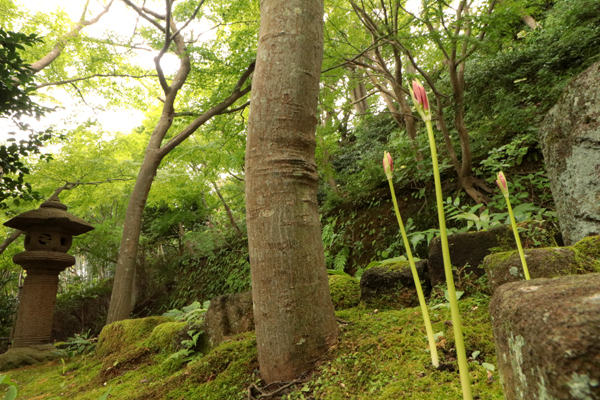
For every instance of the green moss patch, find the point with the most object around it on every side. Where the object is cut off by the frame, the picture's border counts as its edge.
(345, 291)
(381, 355)
(385, 355)
(589, 247)
(118, 336)
(166, 338)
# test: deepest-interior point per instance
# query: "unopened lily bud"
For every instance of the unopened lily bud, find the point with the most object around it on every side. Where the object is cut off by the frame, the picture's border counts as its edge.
(420, 94)
(502, 183)
(419, 98)
(388, 165)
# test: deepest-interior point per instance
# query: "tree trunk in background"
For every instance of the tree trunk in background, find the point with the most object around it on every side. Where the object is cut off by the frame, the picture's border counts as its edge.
(235, 226)
(293, 312)
(358, 93)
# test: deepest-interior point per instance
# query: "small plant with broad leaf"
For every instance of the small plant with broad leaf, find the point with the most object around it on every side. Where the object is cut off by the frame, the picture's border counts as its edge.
(11, 393)
(194, 316)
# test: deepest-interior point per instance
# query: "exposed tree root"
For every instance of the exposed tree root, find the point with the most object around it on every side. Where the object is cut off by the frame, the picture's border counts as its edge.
(276, 388)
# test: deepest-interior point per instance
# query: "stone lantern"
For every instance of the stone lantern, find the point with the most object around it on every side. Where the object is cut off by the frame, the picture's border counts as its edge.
(49, 235)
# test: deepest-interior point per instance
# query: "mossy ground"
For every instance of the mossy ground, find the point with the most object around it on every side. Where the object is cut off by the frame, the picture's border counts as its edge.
(381, 355)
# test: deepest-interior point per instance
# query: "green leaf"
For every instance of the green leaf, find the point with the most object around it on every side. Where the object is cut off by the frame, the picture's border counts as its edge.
(488, 366)
(105, 395)
(11, 394)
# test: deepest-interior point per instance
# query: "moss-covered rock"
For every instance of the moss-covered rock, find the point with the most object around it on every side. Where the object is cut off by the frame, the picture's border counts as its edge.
(546, 333)
(345, 291)
(589, 247)
(582, 258)
(117, 336)
(224, 373)
(392, 285)
(167, 337)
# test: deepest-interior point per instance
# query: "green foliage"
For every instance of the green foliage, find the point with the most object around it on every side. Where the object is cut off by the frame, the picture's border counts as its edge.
(11, 393)
(529, 69)
(8, 304)
(224, 271)
(80, 344)
(193, 315)
(358, 163)
(16, 89)
(16, 78)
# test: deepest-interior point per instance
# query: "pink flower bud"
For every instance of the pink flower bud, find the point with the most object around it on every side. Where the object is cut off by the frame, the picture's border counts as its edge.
(501, 182)
(388, 165)
(420, 95)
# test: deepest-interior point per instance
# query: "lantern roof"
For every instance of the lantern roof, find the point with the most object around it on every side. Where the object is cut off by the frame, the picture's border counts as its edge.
(51, 213)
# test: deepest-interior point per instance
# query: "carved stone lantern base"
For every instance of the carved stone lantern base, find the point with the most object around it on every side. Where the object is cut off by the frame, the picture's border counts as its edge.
(22, 356)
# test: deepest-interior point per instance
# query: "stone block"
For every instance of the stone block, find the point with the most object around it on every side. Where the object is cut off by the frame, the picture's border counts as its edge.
(547, 335)
(227, 315)
(467, 248)
(582, 258)
(393, 286)
(570, 140)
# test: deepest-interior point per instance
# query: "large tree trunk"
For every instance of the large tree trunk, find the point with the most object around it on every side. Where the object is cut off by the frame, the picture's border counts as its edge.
(293, 312)
(121, 302)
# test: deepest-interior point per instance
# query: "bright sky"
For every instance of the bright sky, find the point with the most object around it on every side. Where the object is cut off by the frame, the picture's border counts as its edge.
(120, 20)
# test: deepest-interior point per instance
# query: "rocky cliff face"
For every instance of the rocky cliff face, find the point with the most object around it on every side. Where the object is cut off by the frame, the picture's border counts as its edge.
(570, 140)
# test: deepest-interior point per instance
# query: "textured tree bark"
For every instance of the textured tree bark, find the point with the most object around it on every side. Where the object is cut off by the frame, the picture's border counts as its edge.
(294, 316)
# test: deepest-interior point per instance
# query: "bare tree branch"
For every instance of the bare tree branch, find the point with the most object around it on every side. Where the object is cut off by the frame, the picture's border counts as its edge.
(197, 114)
(144, 15)
(219, 109)
(13, 236)
(62, 42)
(153, 13)
(189, 20)
(93, 76)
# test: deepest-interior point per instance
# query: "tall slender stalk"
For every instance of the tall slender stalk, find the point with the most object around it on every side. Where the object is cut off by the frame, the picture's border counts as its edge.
(419, 97)
(504, 188)
(388, 168)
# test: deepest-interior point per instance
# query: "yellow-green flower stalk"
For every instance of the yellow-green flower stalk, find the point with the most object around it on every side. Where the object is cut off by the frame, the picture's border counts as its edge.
(388, 168)
(419, 97)
(504, 188)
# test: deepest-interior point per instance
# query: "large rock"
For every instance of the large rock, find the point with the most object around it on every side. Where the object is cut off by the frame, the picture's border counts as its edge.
(227, 315)
(570, 140)
(547, 334)
(393, 286)
(345, 291)
(467, 248)
(582, 258)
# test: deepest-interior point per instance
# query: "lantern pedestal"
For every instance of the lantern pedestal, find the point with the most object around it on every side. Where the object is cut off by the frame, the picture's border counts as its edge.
(49, 235)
